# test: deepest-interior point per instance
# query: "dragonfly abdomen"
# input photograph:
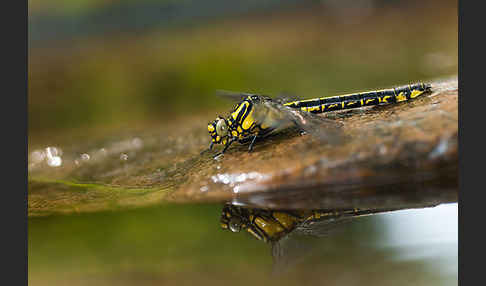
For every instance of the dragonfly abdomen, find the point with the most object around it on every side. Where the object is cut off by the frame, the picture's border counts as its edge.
(355, 100)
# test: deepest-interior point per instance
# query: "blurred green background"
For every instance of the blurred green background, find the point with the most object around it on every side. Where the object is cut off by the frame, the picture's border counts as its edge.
(96, 66)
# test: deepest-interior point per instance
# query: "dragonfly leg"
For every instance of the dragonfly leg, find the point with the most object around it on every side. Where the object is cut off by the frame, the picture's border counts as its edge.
(250, 148)
(209, 149)
(225, 147)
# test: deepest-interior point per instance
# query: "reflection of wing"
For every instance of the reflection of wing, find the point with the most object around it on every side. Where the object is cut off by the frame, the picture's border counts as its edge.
(312, 235)
(297, 246)
(277, 115)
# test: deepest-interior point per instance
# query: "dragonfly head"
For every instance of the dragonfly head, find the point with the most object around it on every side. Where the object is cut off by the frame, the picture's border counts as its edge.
(233, 219)
(218, 130)
(236, 219)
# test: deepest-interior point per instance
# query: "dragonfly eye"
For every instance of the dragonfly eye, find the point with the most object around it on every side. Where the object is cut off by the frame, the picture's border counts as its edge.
(235, 224)
(222, 127)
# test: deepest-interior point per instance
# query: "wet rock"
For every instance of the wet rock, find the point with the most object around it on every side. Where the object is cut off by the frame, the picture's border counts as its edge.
(402, 155)
(393, 156)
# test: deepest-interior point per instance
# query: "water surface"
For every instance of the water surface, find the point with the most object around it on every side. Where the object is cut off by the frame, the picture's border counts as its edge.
(184, 244)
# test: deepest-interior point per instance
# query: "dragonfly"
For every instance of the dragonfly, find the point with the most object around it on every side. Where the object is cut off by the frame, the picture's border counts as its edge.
(258, 116)
(270, 226)
(287, 231)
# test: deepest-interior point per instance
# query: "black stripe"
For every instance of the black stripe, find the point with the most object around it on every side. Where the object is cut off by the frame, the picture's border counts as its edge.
(408, 92)
(333, 99)
(241, 113)
(309, 103)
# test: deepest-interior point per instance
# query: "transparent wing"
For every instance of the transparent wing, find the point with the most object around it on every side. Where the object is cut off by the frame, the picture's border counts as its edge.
(282, 98)
(232, 95)
(303, 242)
(310, 237)
(278, 116)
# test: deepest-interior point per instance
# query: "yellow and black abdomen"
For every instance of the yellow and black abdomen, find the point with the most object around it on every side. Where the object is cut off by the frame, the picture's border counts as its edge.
(370, 98)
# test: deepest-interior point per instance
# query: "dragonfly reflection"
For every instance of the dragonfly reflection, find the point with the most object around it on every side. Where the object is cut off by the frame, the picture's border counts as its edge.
(284, 229)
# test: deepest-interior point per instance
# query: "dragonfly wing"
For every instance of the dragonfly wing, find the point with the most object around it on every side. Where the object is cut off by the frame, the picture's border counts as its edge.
(284, 97)
(303, 243)
(232, 95)
(269, 114)
(324, 129)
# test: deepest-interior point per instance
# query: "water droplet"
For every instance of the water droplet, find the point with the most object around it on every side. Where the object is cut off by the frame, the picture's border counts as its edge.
(137, 143)
(54, 161)
(123, 157)
(53, 155)
(53, 151)
(204, 188)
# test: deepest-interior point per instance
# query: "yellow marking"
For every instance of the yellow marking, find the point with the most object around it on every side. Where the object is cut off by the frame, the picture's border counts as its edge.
(228, 215)
(369, 100)
(385, 98)
(352, 103)
(248, 122)
(214, 140)
(254, 234)
(271, 228)
(210, 128)
(333, 105)
(286, 220)
(234, 133)
(223, 225)
(342, 103)
(239, 129)
(303, 108)
(415, 93)
(362, 102)
(291, 103)
(309, 109)
(401, 97)
(317, 215)
(218, 138)
(224, 141)
(323, 107)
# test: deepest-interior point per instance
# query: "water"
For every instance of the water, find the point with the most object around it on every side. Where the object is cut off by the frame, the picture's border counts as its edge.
(184, 244)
